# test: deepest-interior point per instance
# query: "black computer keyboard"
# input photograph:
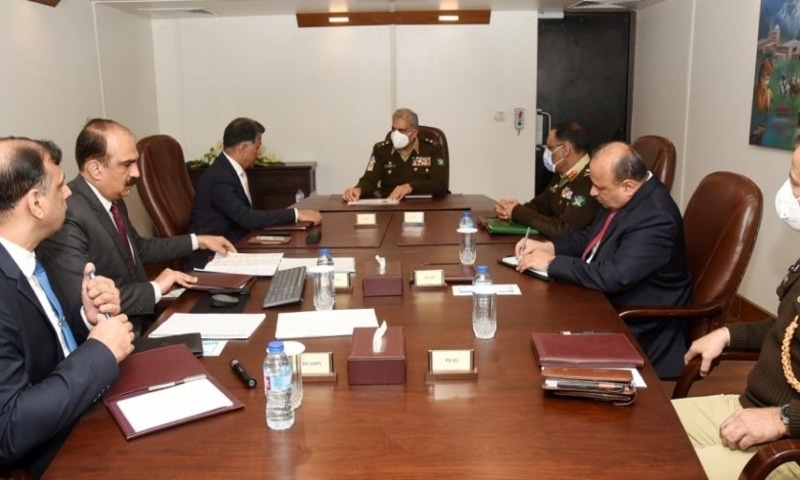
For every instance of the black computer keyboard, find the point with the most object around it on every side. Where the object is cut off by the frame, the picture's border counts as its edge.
(285, 287)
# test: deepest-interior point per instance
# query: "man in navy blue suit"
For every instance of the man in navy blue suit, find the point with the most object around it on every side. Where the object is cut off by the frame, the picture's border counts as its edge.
(222, 203)
(56, 361)
(633, 252)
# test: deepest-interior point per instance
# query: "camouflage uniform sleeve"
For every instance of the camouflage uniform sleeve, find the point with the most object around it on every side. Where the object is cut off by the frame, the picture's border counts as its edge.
(436, 183)
(368, 183)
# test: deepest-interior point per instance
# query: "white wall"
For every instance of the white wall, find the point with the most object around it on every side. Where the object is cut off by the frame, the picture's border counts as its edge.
(720, 69)
(327, 94)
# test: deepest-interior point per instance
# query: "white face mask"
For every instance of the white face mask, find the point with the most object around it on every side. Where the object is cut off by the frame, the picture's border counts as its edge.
(399, 139)
(787, 207)
(547, 159)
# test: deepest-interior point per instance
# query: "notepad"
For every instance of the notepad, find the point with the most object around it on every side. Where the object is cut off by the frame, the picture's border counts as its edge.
(256, 264)
(512, 262)
(211, 326)
(323, 323)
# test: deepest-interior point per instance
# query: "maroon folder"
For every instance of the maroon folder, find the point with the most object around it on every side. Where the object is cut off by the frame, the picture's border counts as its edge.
(585, 350)
(229, 282)
(154, 370)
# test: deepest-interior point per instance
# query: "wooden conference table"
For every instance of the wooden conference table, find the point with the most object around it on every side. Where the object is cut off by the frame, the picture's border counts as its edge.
(498, 426)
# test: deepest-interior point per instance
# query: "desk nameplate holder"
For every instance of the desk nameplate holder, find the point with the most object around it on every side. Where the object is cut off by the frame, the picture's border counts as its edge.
(432, 279)
(451, 365)
(342, 282)
(413, 219)
(366, 220)
(318, 367)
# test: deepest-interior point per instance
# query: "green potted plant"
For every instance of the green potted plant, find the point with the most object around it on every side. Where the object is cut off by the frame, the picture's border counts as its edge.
(266, 160)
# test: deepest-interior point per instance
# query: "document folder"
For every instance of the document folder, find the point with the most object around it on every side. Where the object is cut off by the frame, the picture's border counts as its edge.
(163, 388)
(221, 282)
(604, 384)
(585, 350)
(496, 226)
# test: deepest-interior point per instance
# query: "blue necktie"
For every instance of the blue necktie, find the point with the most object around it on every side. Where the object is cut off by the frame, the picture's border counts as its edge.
(41, 276)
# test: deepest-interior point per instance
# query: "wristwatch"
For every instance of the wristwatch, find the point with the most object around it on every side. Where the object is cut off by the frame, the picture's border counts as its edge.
(785, 415)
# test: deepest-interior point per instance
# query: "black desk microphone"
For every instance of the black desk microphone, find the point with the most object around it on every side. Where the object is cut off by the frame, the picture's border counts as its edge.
(245, 377)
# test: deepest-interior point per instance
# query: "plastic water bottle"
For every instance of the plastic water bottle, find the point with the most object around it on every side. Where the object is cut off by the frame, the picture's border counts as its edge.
(278, 387)
(466, 220)
(324, 257)
(299, 196)
(466, 247)
(484, 304)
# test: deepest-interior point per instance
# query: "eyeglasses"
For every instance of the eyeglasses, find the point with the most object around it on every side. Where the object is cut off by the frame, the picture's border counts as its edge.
(553, 148)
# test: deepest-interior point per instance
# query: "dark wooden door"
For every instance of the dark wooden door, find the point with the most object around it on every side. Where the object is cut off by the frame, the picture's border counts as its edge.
(585, 68)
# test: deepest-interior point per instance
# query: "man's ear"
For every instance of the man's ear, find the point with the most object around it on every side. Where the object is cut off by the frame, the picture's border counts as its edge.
(33, 201)
(94, 168)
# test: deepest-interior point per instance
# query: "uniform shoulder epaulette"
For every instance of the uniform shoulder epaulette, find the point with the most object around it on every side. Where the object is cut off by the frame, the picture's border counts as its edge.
(585, 171)
(382, 144)
(429, 140)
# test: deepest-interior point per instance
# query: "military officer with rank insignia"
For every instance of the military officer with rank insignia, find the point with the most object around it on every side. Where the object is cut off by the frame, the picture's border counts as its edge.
(565, 205)
(403, 165)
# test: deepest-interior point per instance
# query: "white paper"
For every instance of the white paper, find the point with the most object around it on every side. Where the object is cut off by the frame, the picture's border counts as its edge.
(257, 264)
(500, 289)
(213, 348)
(211, 326)
(340, 264)
(174, 293)
(381, 263)
(373, 201)
(514, 261)
(323, 323)
(168, 405)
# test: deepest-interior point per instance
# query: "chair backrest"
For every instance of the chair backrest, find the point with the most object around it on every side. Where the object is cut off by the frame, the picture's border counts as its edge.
(164, 186)
(439, 137)
(658, 153)
(721, 225)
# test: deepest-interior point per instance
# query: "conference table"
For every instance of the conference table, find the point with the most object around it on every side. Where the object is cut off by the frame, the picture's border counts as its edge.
(499, 425)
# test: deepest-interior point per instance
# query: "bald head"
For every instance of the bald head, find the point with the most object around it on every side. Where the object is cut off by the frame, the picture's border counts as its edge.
(617, 172)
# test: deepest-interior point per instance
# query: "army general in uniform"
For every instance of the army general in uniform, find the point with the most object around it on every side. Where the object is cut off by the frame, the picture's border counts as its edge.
(403, 165)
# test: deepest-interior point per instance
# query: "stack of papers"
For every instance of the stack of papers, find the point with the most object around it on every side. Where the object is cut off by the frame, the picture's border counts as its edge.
(257, 264)
(323, 323)
(211, 326)
(340, 264)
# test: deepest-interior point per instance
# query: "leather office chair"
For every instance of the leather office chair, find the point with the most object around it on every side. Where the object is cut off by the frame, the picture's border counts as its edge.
(721, 225)
(439, 137)
(164, 186)
(658, 153)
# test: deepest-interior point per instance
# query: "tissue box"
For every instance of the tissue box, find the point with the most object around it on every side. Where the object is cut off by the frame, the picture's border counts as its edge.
(388, 367)
(377, 284)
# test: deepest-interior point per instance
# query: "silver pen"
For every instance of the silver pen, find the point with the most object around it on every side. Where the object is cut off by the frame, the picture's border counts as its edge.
(91, 277)
(522, 249)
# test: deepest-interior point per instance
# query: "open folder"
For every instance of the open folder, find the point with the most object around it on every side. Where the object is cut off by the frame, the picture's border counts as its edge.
(162, 388)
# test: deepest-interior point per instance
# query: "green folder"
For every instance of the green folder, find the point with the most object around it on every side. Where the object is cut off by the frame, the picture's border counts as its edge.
(502, 227)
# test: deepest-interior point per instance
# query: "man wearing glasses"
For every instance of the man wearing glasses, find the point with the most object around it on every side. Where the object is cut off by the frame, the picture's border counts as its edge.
(566, 205)
(403, 165)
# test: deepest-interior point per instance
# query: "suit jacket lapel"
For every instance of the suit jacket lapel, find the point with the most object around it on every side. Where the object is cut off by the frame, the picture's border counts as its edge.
(644, 191)
(80, 187)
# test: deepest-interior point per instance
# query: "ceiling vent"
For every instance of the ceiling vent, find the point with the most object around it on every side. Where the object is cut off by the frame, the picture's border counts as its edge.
(177, 12)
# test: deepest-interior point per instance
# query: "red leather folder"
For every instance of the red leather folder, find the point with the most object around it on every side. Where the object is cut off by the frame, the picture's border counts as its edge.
(229, 282)
(141, 372)
(585, 350)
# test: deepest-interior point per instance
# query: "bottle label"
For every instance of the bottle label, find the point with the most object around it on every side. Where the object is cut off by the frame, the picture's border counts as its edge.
(277, 382)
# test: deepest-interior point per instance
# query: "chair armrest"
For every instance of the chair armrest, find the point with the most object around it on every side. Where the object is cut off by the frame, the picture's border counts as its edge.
(769, 457)
(688, 312)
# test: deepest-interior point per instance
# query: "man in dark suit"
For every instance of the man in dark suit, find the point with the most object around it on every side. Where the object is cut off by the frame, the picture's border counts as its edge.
(222, 203)
(97, 227)
(55, 361)
(633, 252)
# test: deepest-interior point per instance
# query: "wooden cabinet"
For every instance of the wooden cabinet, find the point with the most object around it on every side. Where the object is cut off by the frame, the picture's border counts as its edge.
(275, 187)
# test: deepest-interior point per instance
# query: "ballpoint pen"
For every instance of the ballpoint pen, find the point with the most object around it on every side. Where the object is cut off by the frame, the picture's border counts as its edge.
(525, 242)
(91, 277)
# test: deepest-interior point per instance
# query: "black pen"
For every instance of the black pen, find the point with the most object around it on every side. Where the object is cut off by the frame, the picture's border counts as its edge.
(245, 377)
(91, 277)
(580, 332)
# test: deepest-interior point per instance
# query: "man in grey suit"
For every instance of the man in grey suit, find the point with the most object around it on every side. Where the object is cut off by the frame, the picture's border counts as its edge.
(97, 227)
(56, 361)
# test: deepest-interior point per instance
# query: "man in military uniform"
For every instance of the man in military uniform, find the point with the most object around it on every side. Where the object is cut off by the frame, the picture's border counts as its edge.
(566, 205)
(403, 165)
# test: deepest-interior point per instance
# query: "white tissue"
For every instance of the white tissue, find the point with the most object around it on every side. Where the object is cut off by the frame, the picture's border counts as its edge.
(377, 338)
(381, 263)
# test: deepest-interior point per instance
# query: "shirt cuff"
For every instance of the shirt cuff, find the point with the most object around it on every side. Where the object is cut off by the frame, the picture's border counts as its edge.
(157, 290)
(85, 320)
(194, 244)
(296, 215)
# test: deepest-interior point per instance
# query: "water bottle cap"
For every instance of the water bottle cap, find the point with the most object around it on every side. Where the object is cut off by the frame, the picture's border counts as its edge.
(275, 346)
(482, 269)
(465, 213)
(324, 251)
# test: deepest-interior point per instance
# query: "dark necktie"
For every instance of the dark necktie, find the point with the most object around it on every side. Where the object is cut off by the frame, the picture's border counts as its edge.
(597, 238)
(121, 231)
(41, 277)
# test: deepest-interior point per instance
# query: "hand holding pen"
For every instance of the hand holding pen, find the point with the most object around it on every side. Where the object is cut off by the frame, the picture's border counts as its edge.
(99, 295)
(523, 243)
